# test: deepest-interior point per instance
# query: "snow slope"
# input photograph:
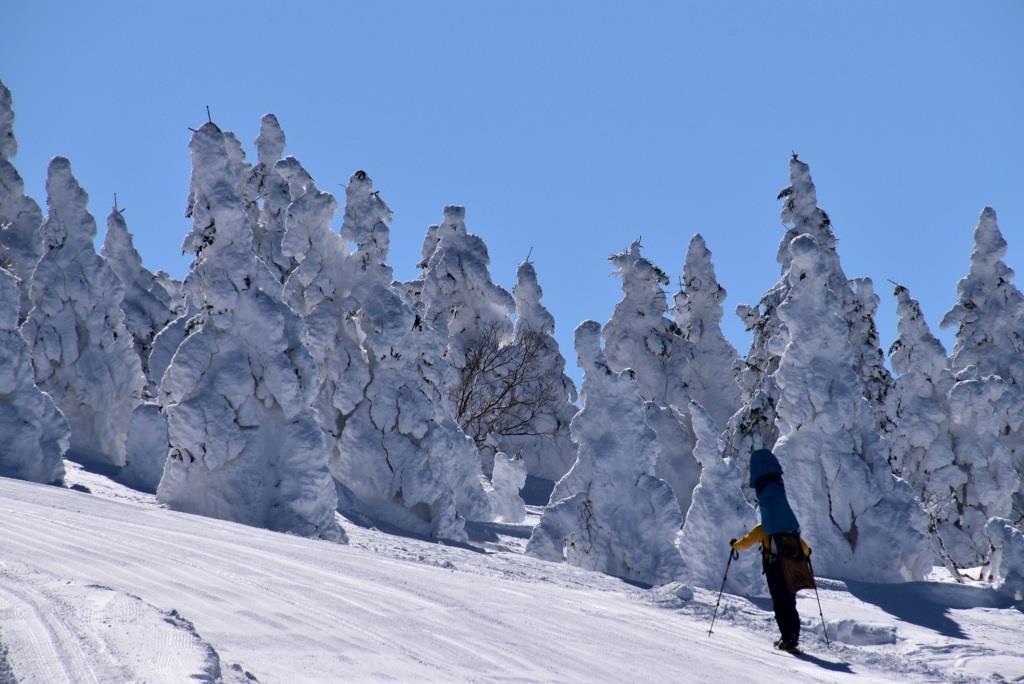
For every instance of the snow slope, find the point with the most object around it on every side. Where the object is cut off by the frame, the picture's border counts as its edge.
(108, 586)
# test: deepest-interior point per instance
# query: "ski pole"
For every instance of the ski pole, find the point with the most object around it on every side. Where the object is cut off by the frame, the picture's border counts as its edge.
(820, 614)
(733, 553)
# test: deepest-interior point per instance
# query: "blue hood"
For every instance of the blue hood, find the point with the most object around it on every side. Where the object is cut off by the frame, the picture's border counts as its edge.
(776, 514)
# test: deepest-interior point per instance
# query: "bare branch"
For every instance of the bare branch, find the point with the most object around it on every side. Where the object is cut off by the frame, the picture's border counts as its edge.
(505, 388)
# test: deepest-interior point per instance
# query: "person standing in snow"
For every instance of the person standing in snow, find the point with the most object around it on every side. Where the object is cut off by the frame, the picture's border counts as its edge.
(783, 553)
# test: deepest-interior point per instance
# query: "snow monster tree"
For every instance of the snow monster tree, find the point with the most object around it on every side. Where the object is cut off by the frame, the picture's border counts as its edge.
(987, 401)
(863, 522)
(20, 216)
(920, 445)
(522, 397)
(81, 350)
(400, 454)
(754, 425)
(641, 337)
(33, 431)
(610, 513)
(147, 305)
(719, 512)
(245, 445)
(697, 311)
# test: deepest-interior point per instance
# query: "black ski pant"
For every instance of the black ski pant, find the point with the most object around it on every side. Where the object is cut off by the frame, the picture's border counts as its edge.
(783, 602)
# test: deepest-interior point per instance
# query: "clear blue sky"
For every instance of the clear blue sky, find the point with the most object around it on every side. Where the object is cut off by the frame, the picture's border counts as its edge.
(568, 127)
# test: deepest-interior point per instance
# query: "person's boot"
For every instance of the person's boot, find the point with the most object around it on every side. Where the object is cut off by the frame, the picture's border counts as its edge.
(787, 644)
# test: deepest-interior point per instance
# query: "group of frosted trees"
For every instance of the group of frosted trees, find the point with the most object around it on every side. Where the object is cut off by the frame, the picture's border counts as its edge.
(888, 475)
(289, 375)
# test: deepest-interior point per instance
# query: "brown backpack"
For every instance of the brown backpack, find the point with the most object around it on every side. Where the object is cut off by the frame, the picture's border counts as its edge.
(795, 564)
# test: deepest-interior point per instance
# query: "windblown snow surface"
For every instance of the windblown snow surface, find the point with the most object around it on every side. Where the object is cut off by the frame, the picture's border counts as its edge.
(101, 584)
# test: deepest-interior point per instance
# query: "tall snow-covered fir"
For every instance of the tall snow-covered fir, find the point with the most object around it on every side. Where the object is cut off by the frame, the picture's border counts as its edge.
(921, 445)
(753, 426)
(245, 444)
(641, 337)
(719, 512)
(461, 303)
(33, 431)
(538, 402)
(697, 310)
(20, 216)
(401, 454)
(81, 350)
(610, 512)
(278, 182)
(987, 400)
(148, 306)
(458, 293)
(319, 288)
(989, 312)
(863, 522)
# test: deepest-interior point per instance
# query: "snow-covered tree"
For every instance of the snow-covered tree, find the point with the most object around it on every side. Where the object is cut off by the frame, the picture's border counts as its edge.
(33, 431)
(320, 288)
(641, 337)
(513, 394)
(987, 423)
(148, 448)
(987, 401)
(920, 444)
(81, 350)
(20, 216)
(148, 307)
(698, 313)
(610, 513)
(509, 476)
(458, 294)
(278, 182)
(1006, 569)
(754, 425)
(245, 445)
(868, 360)
(863, 522)
(989, 312)
(400, 453)
(719, 512)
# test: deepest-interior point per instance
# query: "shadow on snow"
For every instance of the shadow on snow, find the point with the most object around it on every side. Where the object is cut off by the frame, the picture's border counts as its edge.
(824, 664)
(927, 604)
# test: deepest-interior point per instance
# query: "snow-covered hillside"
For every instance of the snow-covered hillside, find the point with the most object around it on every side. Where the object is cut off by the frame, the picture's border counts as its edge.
(105, 585)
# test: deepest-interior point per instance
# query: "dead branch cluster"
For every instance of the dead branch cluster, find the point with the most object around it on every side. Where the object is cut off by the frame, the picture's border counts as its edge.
(506, 387)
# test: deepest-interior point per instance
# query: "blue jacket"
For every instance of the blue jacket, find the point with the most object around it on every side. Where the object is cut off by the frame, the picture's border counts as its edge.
(776, 514)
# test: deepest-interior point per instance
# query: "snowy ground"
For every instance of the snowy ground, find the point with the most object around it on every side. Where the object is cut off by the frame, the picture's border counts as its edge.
(106, 586)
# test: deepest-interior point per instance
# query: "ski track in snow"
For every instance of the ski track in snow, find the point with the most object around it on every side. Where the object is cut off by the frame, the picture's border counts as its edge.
(110, 587)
